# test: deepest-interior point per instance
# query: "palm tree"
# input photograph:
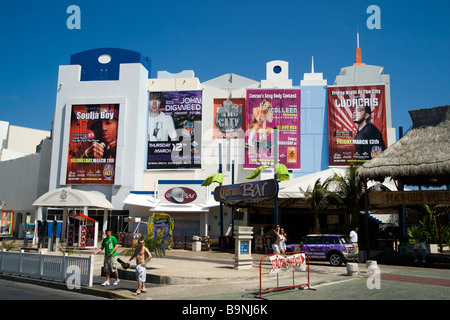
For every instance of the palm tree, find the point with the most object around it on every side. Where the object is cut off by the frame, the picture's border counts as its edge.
(153, 244)
(317, 199)
(349, 192)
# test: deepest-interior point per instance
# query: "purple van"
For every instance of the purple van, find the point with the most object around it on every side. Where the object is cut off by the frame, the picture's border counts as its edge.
(332, 247)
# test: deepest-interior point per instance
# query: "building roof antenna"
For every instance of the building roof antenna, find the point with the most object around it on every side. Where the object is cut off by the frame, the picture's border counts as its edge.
(358, 58)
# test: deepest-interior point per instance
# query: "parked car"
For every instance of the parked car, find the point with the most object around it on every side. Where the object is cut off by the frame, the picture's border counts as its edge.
(332, 247)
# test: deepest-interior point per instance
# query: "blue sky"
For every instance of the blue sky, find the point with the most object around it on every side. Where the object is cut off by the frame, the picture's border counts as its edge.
(217, 37)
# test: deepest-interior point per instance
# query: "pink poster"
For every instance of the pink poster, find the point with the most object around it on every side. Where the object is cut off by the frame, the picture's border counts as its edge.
(267, 109)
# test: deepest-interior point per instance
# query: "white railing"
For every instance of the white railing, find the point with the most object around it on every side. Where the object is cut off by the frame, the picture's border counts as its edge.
(65, 268)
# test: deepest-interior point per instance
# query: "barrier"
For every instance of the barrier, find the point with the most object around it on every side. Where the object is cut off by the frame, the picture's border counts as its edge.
(293, 262)
(48, 267)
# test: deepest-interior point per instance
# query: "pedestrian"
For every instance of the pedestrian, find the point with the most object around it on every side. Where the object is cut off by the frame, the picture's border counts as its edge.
(110, 244)
(141, 273)
(276, 243)
(283, 239)
(420, 251)
(354, 238)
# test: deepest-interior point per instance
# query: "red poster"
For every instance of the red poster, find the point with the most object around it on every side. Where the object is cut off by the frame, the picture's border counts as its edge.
(356, 123)
(229, 118)
(93, 144)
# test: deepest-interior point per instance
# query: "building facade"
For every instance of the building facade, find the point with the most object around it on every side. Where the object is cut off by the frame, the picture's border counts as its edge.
(141, 173)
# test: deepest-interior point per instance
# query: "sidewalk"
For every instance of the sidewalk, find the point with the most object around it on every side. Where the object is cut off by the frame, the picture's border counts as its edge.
(184, 274)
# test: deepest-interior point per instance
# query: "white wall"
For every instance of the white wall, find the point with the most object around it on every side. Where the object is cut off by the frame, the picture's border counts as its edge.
(130, 91)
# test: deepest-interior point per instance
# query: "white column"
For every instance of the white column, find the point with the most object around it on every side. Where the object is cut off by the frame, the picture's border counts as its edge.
(105, 222)
(206, 224)
(64, 226)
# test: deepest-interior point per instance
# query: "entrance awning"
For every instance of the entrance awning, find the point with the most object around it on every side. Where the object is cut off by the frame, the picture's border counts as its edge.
(143, 200)
(73, 198)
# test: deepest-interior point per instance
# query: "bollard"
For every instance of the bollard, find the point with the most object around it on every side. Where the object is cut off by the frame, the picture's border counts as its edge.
(352, 269)
(371, 266)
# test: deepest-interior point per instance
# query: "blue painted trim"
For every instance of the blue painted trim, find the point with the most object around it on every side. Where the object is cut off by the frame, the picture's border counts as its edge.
(179, 182)
(93, 70)
(142, 192)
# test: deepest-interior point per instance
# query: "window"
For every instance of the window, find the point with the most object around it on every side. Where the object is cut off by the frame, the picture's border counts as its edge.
(331, 240)
(345, 240)
(312, 240)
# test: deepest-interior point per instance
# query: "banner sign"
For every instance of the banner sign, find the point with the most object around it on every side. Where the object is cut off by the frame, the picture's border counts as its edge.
(356, 123)
(6, 223)
(92, 144)
(228, 118)
(180, 195)
(256, 190)
(174, 130)
(394, 198)
(181, 192)
(161, 226)
(267, 109)
(288, 263)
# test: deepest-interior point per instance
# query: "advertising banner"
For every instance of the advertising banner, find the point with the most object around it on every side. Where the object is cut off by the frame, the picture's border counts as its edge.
(229, 118)
(174, 130)
(267, 109)
(161, 226)
(93, 144)
(288, 263)
(6, 223)
(356, 123)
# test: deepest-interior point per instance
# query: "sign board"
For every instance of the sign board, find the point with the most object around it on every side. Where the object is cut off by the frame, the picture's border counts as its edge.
(244, 247)
(267, 109)
(228, 118)
(174, 130)
(391, 198)
(356, 123)
(255, 190)
(93, 144)
(288, 263)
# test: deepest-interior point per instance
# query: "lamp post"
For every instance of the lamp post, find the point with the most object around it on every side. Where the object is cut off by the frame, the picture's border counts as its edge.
(275, 175)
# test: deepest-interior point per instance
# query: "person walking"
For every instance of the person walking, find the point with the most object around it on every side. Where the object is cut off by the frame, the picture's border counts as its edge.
(283, 240)
(110, 244)
(276, 243)
(354, 238)
(141, 272)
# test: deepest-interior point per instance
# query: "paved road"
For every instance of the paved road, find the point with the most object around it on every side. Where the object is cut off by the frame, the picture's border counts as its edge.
(407, 284)
(12, 290)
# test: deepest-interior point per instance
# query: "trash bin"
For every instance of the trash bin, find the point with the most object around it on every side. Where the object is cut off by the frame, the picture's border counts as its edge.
(196, 243)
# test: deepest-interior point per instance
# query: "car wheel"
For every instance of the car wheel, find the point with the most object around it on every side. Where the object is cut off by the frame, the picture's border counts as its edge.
(335, 259)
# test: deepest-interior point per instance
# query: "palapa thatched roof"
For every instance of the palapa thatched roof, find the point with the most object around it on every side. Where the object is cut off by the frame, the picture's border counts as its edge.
(421, 157)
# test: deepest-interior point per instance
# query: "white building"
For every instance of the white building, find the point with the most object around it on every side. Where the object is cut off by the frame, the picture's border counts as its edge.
(120, 78)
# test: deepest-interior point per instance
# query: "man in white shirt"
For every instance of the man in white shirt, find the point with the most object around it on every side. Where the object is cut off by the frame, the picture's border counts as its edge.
(354, 238)
(161, 126)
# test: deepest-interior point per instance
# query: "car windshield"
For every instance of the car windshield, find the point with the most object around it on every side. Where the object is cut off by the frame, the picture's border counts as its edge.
(344, 240)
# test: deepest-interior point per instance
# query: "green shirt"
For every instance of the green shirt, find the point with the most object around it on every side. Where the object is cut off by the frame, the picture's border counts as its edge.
(109, 244)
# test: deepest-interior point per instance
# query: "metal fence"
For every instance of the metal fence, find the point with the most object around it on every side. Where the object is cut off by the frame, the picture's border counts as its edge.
(64, 268)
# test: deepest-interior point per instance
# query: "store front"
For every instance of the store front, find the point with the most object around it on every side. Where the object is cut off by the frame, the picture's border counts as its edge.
(190, 205)
(70, 201)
